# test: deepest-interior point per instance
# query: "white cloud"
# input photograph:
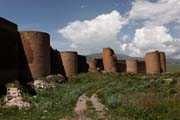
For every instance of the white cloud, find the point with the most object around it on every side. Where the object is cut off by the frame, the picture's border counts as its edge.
(125, 38)
(161, 12)
(92, 35)
(154, 35)
(152, 38)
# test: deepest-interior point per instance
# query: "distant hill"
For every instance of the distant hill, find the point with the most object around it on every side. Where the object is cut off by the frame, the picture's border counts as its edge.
(119, 56)
(173, 61)
(125, 57)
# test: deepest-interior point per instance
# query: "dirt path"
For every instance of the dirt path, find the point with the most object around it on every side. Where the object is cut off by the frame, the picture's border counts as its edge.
(101, 109)
(81, 107)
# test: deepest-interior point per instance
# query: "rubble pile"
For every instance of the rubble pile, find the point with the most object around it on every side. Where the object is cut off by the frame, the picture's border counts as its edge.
(49, 82)
(14, 98)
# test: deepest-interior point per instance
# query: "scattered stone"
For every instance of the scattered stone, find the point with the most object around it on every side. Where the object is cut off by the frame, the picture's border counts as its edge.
(152, 81)
(104, 72)
(93, 71)
(98, 69)
(15, 98)
(56, 78)
(50, 77)
(48, 82)
(144, 77)
(170, 81)
(42, 84)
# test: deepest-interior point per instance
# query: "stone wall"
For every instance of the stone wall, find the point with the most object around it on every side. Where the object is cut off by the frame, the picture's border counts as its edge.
(37, 50)
(131, 66)
(163, 61)
(69, 62)
(8, 51)
(121, 66)
(152, 61)
(82, 64)
(141, 67)
(109, 60)
(56, 63)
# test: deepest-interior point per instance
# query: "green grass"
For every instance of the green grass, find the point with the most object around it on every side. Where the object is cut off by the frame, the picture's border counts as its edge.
(137, 98)
(128, 96)
(173, 67)
(54, 103)
(91, 112)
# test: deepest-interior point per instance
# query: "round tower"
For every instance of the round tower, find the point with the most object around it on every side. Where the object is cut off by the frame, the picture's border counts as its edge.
(69, 62)
(109, 60)
(152, 61)
(37, 51)
(131, 66)
(92, 65)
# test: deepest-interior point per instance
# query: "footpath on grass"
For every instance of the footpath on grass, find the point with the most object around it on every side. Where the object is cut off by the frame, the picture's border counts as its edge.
(81, 107)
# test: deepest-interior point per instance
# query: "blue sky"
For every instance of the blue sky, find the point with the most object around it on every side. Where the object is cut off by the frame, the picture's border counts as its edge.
(130, 27)
(49, 15)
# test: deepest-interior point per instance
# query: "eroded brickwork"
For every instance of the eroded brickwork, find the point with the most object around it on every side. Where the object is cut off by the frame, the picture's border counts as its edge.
(37, 50)
(70, 62)
(109, 60)
(152, 61)
(131, 66)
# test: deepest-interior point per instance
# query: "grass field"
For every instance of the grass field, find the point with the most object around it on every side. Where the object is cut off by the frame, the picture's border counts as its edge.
(173, 67)
(127, 96)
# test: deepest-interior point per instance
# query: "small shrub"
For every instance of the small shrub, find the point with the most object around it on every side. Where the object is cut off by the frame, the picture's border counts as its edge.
(113, 102)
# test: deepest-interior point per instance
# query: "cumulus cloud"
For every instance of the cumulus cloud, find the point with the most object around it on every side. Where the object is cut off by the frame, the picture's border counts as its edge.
(160, 12)
(92, 35)
(154, 35)
(152, 38)
(125, 38)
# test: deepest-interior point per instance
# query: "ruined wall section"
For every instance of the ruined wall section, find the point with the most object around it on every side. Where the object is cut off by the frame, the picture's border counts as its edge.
(69, 62)
(152, 60)
(132, 66)
(37, 50)
(109, 60)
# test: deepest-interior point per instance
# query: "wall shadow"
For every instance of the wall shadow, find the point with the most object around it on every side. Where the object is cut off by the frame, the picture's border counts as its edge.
(24, 74)
(13, 62)
(99, 64)
(141, 67)
(82, 64)
(121, 66)
(56, 63)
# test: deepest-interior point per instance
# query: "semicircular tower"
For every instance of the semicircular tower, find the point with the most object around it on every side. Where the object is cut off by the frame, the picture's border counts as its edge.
(131, 66)
(152, 61)
(69, 62)
(109, 60)
(37, 51)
